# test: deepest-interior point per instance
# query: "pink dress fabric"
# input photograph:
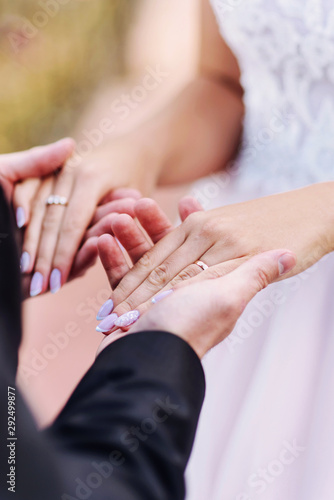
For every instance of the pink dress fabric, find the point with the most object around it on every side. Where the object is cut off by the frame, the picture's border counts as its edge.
(267, 426)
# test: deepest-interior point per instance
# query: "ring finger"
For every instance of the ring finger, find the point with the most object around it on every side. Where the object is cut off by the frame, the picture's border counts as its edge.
(190, 275)
(51, 224)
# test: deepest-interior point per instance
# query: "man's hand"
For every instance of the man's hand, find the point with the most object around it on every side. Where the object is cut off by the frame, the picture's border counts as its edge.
(224, 238)
(205, 313)
(202, 311)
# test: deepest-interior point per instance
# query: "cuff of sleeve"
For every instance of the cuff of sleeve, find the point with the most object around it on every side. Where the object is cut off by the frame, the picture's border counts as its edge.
(159, 355)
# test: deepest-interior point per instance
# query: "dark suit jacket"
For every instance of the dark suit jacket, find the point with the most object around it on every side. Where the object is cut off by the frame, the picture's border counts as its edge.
(126, 432)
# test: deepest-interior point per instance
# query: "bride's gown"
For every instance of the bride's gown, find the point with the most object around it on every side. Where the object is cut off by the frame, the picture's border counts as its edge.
(267, 427)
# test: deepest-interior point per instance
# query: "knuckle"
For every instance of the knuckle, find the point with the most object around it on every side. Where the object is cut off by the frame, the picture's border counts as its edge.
(159, 276)
(120, 292)
(186, 274)
(208, 228)
(262, 278)
(125, 306)
(146, 260)
(192, 219)
(192, 222)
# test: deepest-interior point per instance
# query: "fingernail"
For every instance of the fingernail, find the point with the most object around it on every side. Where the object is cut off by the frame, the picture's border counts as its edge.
(36, 285)
(20, 217)
(25, 262)
(127, 319)
(105, 310)
(161, 296)
(55, 281)
(286, 263)
(107, 324)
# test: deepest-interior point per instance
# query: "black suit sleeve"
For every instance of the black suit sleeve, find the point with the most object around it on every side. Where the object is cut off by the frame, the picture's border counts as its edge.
(135, 412)
(126, 432)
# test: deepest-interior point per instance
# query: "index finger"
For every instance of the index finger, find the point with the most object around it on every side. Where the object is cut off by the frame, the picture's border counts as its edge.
(148, 262)
(37, 162)
(156, 269)
(153, 219)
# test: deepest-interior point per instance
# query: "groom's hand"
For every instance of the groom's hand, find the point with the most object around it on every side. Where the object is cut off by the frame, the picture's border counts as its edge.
(34, 163)
(205, 313)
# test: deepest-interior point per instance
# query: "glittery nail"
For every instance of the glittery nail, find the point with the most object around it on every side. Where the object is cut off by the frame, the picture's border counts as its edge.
(127, 319)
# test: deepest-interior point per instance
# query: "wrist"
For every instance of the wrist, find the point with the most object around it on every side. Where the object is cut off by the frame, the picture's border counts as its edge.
(324, 193)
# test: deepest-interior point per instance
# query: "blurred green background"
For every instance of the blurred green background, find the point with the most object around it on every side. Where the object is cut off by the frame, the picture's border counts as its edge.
(53, 55)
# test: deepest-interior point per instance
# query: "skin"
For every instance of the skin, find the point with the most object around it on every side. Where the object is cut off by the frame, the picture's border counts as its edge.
(204, 314)
(225, 238)
(239, 286)
(137, 238)
(164, 151)
(38, 162)
(42, 162)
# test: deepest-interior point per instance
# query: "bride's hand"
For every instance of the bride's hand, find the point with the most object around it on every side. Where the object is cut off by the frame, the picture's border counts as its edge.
(136, 238)
(224, 238)
(55, 233)
(204, 314)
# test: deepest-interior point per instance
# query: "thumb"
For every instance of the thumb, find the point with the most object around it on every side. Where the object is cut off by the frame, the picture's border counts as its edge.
(256, 274)
(37, 162)
(230, 294)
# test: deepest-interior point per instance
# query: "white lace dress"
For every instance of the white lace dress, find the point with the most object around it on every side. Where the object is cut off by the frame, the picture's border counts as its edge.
(267, 426)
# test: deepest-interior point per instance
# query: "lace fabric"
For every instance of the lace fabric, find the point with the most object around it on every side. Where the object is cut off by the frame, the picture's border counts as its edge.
(285, 49)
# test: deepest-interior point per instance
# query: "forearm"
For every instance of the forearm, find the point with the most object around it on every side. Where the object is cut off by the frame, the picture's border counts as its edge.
(197, 134)
(321, 197)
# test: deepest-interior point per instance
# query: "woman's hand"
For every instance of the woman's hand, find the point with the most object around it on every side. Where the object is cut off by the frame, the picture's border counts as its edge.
(35, 163)
(224, 238)
(204, 314)
(54, 233)
(136, 238)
